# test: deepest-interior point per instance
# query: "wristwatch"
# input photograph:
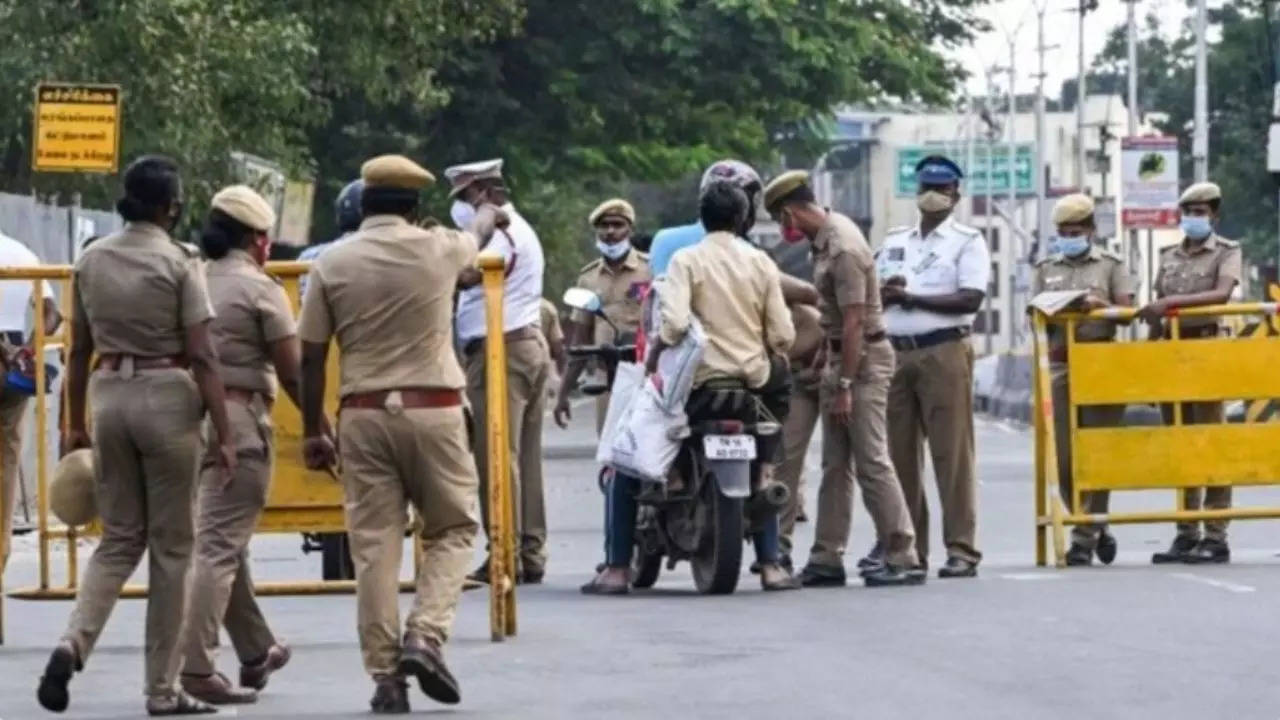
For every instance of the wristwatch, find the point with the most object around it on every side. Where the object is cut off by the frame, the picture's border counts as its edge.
(845, 383)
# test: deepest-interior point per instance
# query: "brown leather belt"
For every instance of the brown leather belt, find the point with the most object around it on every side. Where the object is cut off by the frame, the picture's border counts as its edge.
(527, 332)
(409, 398)
(837, 343)
(929, 339)
(113, 361)
(246, 397)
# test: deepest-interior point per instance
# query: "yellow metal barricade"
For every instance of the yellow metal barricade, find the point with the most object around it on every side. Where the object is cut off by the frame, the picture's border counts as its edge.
(1175, 455)
(502, 535)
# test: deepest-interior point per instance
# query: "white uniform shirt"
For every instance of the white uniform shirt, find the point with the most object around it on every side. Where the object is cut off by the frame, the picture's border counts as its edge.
(954, 256)
(522, 292)
(15, 295)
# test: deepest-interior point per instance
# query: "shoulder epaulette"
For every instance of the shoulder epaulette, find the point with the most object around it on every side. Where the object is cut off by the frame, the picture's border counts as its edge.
(593, 265)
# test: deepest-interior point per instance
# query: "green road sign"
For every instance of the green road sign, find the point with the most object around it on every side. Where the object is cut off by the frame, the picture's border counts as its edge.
(976, 178)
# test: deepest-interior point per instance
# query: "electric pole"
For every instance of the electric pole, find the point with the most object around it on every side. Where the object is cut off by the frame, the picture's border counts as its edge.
(1200, 141)
(1134, 115)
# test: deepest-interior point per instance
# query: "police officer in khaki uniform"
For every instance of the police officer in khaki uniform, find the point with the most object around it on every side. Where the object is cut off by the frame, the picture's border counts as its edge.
(553, 333)
(256, 340)
(807, 357)
(1201, 270)
(1075, 263)
(386, 296)
(854, 393)
(142, 305)
(619, 277)
(473, 186)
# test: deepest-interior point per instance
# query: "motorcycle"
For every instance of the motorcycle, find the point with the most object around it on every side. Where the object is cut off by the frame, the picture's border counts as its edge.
(702, 510)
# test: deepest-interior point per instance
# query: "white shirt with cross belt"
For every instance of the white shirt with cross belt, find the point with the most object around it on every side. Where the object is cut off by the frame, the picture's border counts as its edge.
(952, 257)
(522, 291)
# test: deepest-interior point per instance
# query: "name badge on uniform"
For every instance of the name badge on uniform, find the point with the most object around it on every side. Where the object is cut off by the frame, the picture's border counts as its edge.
(897, 254)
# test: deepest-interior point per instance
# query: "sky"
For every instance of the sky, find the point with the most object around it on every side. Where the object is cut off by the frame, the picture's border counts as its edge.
(1060, 29)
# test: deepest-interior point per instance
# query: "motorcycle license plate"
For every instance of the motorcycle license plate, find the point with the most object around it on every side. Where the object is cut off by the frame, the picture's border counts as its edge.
(729, 447)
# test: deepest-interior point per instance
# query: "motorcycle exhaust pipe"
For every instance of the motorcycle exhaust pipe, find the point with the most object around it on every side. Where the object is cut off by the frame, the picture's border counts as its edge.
(772, 497)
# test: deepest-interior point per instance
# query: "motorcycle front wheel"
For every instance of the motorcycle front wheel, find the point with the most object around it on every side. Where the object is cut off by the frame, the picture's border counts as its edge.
(718, 562)
(645, 569)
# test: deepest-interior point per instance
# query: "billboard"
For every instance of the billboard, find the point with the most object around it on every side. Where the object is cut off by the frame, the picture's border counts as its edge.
(991, 165)
(77, 128)
(1149, 176)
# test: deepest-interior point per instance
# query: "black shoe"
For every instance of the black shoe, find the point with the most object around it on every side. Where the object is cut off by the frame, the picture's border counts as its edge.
(890, 576)
(480, 574)
(52, 693)
(1183, 546)
(822, 576)
(874, 558)
(1079, 556)
(391, 696)
(533, 577)
(421, 658)
(958, 568)
(1106, 548)
(1209, 552)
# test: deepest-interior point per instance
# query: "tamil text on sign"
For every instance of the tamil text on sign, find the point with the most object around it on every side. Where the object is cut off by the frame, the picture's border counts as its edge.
(77, 128)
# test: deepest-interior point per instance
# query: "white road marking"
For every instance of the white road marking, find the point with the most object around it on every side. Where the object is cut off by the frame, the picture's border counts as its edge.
(1220, 584)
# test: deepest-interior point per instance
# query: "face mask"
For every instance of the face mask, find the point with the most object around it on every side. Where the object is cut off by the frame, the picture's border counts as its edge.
(1196, 227)
(615, 251)
(932, 201)
(1070, 246)
(463, 214)
(793, 235)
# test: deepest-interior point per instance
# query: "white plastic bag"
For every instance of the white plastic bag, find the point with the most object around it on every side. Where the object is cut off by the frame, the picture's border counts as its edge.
(626, 381)
(678, 364)
(647, 440)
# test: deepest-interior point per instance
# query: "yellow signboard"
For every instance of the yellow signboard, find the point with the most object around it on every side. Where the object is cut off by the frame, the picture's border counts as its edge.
(77, 128)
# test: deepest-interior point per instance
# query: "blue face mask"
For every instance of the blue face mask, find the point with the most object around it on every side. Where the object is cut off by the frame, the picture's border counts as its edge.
(1069, 246)
(1196, 227)
(615, 251)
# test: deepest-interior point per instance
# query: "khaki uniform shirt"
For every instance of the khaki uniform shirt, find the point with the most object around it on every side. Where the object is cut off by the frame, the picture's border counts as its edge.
(733, 289)
(1098, 271)
(1186, 271)
(252, 313)
(387, 295)
(844, 271)
(137, 292)
(619, 290)
(549, 322)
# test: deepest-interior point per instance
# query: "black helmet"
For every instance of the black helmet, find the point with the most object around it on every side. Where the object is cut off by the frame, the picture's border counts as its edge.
(347, 206)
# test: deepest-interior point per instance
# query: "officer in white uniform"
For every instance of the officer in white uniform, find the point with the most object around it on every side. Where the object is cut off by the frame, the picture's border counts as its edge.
(934, 277)
(528, 358)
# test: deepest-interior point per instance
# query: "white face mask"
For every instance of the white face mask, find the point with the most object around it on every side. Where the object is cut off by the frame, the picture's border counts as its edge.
(932, 201)
(463, 214)
(615, 251)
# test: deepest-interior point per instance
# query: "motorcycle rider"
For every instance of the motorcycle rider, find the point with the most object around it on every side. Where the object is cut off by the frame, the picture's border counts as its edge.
(735, 291)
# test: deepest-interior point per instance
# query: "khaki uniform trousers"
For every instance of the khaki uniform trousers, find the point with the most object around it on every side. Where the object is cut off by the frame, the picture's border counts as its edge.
(527, 370)
(221, 587)
(146, 447)
(1212, 498)
(391, 457)
(1095, 417)
(13, 408)
(861, 450)
(931, 398)
(797, 431)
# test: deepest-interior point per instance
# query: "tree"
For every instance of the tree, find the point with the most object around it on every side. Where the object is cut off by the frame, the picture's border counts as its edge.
(1241, 76)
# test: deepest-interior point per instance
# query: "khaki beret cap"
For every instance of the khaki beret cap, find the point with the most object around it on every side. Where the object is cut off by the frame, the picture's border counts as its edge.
(1074, 208)
(616, 206)
(1201, 192)
(72, 495)
(245, 204)
(460, 176)
(395, 171)
(783, 185)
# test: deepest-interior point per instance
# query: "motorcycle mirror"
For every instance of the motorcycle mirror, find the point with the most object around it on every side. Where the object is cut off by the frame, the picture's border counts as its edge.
(583, 299)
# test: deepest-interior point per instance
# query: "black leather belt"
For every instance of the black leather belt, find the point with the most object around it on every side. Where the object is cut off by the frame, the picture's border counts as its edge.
(929, 339)
(837, 343)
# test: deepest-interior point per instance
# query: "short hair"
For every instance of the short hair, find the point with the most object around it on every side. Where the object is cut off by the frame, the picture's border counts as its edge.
(151, 185)
(388, 201)
(722, 207)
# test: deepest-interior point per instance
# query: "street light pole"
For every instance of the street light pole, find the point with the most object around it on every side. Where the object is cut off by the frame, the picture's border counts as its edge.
(1134, 113)
(1200, 141)
(1080, 96)
(1041, 190)
(1015, 258)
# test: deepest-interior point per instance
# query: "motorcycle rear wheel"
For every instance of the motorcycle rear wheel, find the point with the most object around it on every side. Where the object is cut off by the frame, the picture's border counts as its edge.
(718, 562)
